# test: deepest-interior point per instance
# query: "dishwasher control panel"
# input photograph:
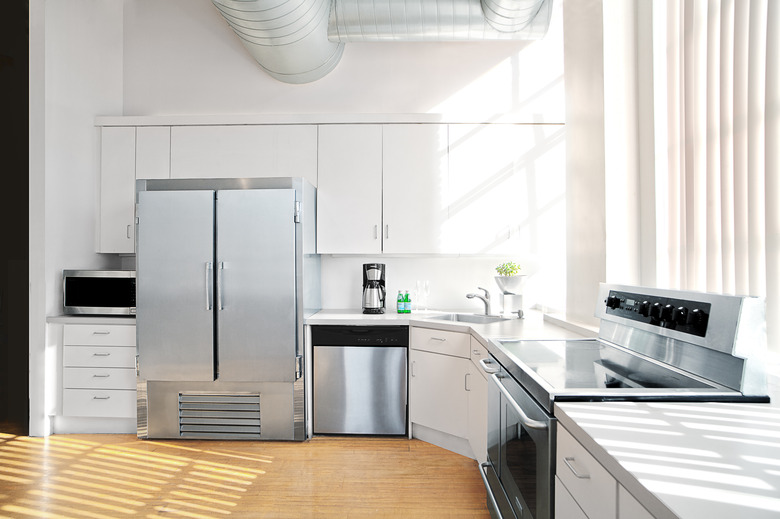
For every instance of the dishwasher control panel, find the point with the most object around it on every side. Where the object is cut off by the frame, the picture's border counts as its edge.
(341, 335)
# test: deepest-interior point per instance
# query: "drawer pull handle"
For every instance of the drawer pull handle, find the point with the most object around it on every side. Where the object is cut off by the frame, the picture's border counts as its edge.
(476, 352)
(100, 376)
(101, 354)
(438, 339)
(100, 397)
(568, 462)
(101, 332)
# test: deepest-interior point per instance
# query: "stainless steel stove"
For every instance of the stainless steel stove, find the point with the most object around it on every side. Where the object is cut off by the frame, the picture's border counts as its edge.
(652, 345)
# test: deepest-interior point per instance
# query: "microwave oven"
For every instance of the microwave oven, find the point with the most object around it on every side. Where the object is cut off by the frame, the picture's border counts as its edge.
(98, 292)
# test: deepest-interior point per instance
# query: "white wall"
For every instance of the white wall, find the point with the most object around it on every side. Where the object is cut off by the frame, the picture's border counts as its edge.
(76, 69)
(182, 58)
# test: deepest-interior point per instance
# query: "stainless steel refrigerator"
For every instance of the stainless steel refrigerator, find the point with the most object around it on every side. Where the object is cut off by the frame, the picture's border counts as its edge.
(227, 271)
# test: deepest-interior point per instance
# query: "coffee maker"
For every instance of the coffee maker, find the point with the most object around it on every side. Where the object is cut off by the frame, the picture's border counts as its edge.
(373, 288)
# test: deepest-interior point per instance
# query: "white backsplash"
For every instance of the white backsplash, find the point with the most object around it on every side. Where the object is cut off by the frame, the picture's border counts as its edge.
(450, 278)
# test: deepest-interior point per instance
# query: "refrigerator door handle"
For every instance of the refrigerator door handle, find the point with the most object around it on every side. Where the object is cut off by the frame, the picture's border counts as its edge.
(209, 285)
(220, 273)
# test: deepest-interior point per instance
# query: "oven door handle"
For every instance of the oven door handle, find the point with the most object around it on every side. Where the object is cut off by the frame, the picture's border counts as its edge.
(483, 472)
(524, 419)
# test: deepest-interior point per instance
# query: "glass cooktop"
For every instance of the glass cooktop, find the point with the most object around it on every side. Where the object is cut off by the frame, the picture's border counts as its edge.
(595, 370)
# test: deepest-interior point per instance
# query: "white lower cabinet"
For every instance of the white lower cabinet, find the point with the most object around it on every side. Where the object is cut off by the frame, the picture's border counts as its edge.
(585, 490)
(587, 481)
(98, 370)
(448, 390)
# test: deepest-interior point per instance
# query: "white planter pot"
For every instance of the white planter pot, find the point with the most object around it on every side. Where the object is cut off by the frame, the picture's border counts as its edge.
(511, 284)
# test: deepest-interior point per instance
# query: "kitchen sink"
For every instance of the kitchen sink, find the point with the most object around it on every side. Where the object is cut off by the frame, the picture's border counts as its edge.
(470, 318)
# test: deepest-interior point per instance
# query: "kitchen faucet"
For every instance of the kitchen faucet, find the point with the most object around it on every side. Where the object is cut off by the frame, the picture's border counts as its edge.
(485, 299)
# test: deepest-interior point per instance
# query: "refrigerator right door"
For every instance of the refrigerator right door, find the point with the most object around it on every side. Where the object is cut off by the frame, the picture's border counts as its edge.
(174, 264)
(256, 307)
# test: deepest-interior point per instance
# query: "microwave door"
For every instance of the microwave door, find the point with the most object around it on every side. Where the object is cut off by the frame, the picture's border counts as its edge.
(174, 265)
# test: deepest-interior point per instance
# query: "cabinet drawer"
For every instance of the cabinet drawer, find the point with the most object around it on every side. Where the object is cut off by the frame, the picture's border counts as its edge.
(440, 341)
(565, 505)
(98, 378)
(90, 402)
(98, 356)
(478, 352)
(594, 489)
(98, 335)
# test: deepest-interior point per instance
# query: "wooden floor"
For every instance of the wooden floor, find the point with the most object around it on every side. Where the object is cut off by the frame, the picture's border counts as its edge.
(109, 476)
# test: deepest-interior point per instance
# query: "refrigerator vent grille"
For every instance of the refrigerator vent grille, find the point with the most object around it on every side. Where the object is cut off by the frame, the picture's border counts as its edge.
(219, 415)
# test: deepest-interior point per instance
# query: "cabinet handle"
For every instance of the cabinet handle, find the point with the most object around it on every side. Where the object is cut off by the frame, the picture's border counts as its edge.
(128, 233)
(101, 332)
(568, 462)
(438, 339)
(466, 382)
(387, 231)
(376, 232)
(476, 353)
(412, 370)
(101, 354)
(100, 376)
(209, 285)
(100, 397)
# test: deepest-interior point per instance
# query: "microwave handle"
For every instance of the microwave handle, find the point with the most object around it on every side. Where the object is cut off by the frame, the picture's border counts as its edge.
(524, 419)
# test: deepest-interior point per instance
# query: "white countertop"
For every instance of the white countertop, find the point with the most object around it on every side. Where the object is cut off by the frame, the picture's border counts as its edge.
(686, 460)
(534, 325)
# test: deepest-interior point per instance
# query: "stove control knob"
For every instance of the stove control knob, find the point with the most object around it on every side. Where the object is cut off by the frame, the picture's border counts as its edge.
(655, 311)
(613, 302)
(681, 316)
(667, 312)
(644, 308)
(698, 316)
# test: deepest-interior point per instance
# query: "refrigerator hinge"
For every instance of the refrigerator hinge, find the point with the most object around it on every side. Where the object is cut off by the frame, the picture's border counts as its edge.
(298, 367)
(297, 217)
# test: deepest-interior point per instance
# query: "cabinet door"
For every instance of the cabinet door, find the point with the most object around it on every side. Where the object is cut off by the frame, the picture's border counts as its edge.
(478, 397)
(152, 152)
(438, 396)
(414, 181)
(506, 187)
(349, 190)
(117, 190)
(244, 151)
(629, 507)
(565, 505)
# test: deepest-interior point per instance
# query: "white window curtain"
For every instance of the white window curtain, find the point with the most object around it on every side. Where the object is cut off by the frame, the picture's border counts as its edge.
(717, 141)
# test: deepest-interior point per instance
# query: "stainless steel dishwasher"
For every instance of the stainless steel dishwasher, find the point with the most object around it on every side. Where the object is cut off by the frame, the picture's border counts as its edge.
(360, 381)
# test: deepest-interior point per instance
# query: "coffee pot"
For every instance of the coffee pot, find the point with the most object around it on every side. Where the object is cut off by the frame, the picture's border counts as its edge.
(373, 288)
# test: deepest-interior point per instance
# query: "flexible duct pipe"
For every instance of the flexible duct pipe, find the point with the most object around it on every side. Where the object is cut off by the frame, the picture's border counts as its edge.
(511, 15)
(438, 20)
(287, 38)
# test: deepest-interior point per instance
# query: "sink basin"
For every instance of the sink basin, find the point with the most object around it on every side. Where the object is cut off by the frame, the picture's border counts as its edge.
(470, 318)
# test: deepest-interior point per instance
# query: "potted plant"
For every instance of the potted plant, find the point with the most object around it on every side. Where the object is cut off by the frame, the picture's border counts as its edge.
(509, 279)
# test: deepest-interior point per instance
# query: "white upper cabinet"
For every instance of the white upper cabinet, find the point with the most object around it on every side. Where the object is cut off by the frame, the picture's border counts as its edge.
(504, 183)
(349, 191)
(414, 181)
(152, 152)
(117, 190)
(249, 151)
(382, 188)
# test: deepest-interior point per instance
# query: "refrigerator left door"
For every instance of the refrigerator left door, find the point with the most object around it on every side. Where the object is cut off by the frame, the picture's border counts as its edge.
(174, 269)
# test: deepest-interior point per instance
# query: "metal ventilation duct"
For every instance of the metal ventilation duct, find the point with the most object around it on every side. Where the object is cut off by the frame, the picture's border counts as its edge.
(438, 20)
(298, 41)
(288, 38)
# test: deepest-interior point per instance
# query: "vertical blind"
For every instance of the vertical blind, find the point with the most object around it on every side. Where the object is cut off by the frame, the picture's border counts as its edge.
(717, 123)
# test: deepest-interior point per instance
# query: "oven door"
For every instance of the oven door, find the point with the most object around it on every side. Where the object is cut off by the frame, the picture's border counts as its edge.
(521, 440)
